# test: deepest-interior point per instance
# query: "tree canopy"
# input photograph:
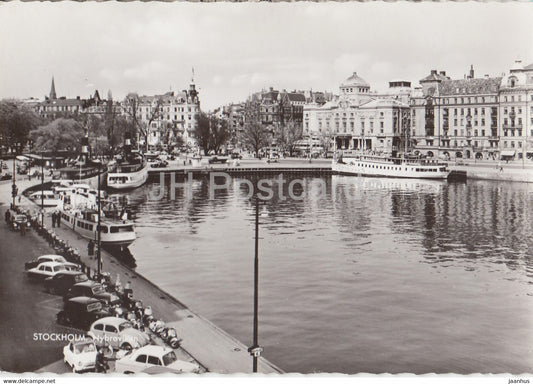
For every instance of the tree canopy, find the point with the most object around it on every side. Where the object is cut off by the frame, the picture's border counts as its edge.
(60, 134)
(211, 133)
(16, 121)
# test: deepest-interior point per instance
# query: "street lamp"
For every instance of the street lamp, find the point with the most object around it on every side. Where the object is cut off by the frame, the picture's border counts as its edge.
(42, 189)
(255, 350)
(14, 190)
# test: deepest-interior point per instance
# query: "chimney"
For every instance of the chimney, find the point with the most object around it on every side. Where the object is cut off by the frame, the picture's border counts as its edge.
(271, 89)
(443, 73)
(486, 76)
(433, 71)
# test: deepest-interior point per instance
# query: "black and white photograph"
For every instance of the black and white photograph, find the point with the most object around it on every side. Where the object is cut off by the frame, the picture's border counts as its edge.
(266, 190)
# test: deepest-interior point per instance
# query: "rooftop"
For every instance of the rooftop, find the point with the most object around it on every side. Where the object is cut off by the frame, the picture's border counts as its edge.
(470, 86)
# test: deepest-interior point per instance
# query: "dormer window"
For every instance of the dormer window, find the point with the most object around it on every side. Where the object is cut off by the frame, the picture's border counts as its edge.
(512, 81)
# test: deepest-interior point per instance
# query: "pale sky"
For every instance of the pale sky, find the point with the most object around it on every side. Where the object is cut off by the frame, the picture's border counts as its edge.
(240, 48)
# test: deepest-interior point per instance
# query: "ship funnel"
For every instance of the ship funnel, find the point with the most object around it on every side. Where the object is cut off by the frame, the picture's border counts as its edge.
(85, 145)
(127, 142)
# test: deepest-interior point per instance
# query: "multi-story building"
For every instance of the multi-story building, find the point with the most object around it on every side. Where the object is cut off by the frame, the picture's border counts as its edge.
(361, 119)
(166, 115)
(53, 107)
(516, 111)
(475, 118)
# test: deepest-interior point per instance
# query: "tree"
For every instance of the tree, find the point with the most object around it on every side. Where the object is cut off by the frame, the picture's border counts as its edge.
(202, 132)
(132, 105)
(287, 135)
(16, 121)
(220, 134)
(59, 134)
(255, 135)
(211, 133)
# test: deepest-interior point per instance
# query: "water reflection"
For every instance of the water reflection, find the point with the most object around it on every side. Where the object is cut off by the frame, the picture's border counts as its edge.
(381, 271)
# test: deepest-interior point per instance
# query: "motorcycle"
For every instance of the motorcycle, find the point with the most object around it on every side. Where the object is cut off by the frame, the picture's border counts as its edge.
(171, 338)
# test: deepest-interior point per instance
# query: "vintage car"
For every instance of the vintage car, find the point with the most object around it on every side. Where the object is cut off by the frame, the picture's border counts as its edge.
(18, 221)
(216, 159)
(92, 289)
(44, 270)
(81, 312)
(80, 355)
(63, 281)
(159, 164)
(154, 359)
(53, 258)
(118, 333)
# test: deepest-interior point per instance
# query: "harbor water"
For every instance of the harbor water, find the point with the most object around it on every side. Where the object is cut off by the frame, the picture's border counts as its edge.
(356, 274)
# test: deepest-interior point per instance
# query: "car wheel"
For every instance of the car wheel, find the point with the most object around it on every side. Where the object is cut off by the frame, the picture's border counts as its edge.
(74, 369)
(126, 346)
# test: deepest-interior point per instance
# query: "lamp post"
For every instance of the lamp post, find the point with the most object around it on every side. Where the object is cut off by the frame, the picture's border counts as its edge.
(14, 190)
(42, 189)
(255, 350)
(98, 241)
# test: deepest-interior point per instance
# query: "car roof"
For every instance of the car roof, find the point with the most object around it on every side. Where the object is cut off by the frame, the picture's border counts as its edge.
(87, 340)
(116, 321)
(50, 256)
(51, 264)
(83, 299)
(154, 350)
(88, 283)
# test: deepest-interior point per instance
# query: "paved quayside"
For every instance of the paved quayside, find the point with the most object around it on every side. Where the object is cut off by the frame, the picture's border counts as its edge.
(203, 342)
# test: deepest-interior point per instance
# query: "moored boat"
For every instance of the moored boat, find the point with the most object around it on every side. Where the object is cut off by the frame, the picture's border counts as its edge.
(79, 211)
(129, 170)
(401, 167)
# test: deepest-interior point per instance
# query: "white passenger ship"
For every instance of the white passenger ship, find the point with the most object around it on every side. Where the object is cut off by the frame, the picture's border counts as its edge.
(79, 210)
(129, 170)
(403, 167)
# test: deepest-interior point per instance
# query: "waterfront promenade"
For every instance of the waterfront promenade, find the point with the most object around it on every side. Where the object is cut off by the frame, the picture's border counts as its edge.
(203, 342)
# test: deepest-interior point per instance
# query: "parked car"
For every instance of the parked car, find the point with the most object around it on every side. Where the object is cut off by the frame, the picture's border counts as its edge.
(80, 355)
(63, 281)
(81, 312)
(118, 333)
(44, 270)
(91, 288)
(154, 359)
(159, 164)
(236, 155)
(18, 221)
(46, 258)
(6, 176)
(216, 159)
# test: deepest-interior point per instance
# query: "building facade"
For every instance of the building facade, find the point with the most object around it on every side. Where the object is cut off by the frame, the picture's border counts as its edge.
(167, 115)
(359, 119)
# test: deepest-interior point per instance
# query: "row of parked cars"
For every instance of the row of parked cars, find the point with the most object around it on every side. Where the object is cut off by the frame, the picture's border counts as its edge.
(100, 308)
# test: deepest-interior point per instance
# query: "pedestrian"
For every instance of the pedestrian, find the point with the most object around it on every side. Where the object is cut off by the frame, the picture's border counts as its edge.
(90, 249)
(53, 219)
(58, 219)
(23, 229)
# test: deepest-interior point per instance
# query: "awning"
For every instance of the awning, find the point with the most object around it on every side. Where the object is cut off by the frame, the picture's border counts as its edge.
(507, 153)
(22, 158)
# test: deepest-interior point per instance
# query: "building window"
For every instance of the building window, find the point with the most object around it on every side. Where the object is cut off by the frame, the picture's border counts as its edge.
(482, 132)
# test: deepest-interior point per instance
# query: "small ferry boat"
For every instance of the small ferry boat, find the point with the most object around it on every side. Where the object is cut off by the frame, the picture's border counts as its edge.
(79, 210)
(46, 198)
(401, 167)
(129, 170)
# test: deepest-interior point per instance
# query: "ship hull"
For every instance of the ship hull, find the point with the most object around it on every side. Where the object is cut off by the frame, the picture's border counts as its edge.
(376, 168)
